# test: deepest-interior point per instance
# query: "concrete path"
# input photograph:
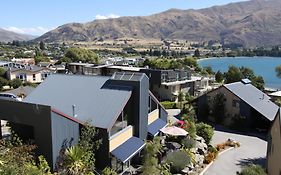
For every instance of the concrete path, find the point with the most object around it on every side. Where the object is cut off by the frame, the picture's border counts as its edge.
(252, 150)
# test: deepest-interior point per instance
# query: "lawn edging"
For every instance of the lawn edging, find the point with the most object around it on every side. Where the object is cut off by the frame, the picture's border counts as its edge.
(210, 164)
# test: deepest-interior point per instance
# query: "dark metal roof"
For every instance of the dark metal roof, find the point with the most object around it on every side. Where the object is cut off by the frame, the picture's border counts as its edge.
(93, 103)
(128, 149)
(255, 98)
(155, 126)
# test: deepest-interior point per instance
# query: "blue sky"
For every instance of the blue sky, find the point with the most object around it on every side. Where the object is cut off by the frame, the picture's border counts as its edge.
(38, 16)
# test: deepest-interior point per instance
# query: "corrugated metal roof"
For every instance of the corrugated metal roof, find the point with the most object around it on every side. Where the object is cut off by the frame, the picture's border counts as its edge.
(155, 126)
(128, 149)
(255, 98)
(93, 102)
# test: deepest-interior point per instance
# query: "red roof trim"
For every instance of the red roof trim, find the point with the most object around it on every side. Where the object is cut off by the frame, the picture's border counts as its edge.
(66, 116)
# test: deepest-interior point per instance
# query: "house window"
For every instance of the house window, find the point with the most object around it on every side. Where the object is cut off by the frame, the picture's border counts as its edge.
(235, 103)
(44, 75)
(21, 77)
(34, 77)
(121, 123)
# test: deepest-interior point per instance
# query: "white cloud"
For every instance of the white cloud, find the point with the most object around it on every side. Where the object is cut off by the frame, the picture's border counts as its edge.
(29, 30)
(106, 16)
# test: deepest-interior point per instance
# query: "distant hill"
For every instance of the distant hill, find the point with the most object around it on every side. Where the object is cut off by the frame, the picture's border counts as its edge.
(8, 36)
(249, 23)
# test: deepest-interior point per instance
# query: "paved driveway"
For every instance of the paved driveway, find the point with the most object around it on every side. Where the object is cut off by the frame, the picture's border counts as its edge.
(252, 150)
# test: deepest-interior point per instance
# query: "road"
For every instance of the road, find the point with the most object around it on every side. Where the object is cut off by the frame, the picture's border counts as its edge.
(252, 150)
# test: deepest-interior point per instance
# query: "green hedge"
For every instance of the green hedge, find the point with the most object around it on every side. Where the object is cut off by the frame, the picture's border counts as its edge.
(169, 105)
(206, 131)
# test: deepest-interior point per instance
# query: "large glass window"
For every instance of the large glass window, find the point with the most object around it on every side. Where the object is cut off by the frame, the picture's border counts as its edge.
(121, 123)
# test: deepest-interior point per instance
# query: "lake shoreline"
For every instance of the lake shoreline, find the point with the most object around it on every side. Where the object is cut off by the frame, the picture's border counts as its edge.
(263, 66)
(209, 58)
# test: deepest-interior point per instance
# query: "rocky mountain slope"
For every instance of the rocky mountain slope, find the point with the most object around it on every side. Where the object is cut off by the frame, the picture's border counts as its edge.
(249, 23)
(8, 36)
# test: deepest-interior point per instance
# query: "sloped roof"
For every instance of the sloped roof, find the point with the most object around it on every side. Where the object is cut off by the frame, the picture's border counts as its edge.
(93, 101)
(26, 90)
(276, 94)
(255, 98)
(28, 68)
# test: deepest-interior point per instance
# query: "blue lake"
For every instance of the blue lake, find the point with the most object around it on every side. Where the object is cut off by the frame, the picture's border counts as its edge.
(264, 66)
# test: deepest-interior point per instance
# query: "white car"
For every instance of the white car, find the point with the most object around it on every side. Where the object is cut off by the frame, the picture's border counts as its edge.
(9, 96)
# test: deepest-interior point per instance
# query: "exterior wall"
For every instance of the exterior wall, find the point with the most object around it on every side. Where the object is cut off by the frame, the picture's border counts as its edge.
(166, 92)
(65, 133)
(152, 116)
(29, 76)
(273, 148)
(163, 114)
(230, 110)
(120, 137)
(139, 101)
(37, 116)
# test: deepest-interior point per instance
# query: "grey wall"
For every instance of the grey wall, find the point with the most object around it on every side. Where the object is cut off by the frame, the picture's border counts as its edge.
(163, 114)
(37, 116)
(65, 133)
(140, 99)
(143, 107)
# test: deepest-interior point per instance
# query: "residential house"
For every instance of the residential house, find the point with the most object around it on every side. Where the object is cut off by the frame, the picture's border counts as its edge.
(165, 84)
(33, 74)
(121, 107)
(55, 68)
(275, 95)
(242, 102)
(21, 91)
(24, 61)
(273, 147)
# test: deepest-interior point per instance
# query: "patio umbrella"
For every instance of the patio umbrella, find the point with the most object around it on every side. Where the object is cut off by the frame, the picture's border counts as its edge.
(174, 131)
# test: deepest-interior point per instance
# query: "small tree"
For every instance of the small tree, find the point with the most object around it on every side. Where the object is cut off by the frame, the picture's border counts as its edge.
(3, 82)
(206, 131)
(180, 98)
(15, 83)
(233, 75)
(79, 159)
(150, 161)
(218, 107)
(219, 77)
(42, 45)
(278, 71)
(197, 53)
(2, 72)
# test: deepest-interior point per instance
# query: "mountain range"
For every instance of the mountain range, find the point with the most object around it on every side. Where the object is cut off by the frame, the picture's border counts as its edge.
(248, 23)
(8, 36)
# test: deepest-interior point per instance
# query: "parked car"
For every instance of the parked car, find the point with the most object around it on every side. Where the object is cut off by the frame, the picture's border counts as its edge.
(9, 96)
